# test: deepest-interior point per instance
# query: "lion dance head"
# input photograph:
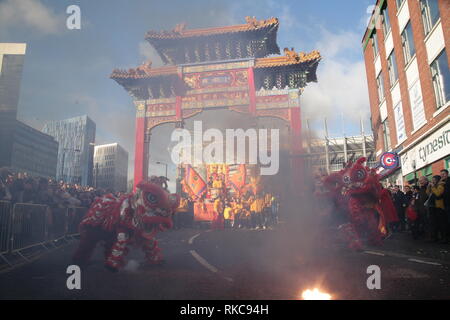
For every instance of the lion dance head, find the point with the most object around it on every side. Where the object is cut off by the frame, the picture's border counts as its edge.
(154, 208)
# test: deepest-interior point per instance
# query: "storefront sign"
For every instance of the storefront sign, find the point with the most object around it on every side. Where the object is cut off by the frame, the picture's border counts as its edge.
(433, 148)
(389, 160)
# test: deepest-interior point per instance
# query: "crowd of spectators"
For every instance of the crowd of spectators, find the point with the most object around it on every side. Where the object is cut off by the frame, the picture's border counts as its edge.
(424, 209)
(18, 187)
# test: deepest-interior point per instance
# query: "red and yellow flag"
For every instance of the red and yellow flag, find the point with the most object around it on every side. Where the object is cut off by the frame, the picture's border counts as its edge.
(194, 183)
(237, 179)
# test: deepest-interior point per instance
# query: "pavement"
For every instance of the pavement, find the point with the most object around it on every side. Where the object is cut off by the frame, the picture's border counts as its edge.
(244, 264)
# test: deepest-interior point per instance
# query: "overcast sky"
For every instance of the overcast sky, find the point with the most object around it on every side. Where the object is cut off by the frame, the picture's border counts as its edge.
(66, 72)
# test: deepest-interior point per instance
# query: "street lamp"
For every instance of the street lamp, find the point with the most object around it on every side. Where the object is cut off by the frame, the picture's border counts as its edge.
(165, 164)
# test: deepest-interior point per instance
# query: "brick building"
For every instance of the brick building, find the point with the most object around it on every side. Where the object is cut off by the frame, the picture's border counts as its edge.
(407, 57)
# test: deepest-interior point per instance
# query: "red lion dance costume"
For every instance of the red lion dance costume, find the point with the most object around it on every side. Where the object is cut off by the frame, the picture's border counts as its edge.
(357, 191)
(132, 219)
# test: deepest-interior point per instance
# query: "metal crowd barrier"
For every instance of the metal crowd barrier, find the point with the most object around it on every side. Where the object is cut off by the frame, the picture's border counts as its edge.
(58, 227)
(5, 226)
(74, 217)
(29, 226)
(26, 225)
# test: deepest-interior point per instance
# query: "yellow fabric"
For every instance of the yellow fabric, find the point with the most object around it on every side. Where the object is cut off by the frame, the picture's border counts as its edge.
(228, 213)
(253, 206)
(217, 184)
(183, 207)
(268, 200)
(237, 207)
(218, 205)
(438, 191)
(257, 205)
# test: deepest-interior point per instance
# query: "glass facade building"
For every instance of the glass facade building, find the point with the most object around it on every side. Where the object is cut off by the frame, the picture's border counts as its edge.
(76, 137)
(33, 151)
(12, 57)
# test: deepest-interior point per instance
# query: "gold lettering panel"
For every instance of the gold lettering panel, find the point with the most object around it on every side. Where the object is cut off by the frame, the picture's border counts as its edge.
(209, 81)
(219, 66)
(220, 99)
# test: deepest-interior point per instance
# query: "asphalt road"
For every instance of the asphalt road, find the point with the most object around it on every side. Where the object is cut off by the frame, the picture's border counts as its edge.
(244, 264)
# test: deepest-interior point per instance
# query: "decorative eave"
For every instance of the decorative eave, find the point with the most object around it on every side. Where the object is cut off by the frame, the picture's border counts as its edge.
(144, 71)
(255, 39)
(144, 82)
(180, 31)
(290, 58)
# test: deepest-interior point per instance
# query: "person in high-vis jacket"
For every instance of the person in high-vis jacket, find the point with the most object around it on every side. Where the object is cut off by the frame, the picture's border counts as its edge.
(228, 215)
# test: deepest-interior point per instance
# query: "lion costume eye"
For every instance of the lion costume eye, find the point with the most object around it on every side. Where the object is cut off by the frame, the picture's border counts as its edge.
(151, 198)
(360, 175)
(346, 179)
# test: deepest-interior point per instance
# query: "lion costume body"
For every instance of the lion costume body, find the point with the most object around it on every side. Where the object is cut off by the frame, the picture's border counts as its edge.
(133, 219)
(357, 191)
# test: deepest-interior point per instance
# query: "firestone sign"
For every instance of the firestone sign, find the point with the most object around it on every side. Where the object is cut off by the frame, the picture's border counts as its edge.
(435, 147)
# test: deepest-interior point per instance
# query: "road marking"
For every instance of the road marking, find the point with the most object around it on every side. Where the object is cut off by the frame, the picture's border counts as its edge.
(203, 262)
(426, 262)
(403, 256)
(375, 253)
(191, 240)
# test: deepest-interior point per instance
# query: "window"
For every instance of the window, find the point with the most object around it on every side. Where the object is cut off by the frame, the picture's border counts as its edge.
(408, 43)
(380, 87)
(385, 19)
(386, 136)
(399, 3)
(375, 44)
(430, 14)
(392, 67)
(441, 79)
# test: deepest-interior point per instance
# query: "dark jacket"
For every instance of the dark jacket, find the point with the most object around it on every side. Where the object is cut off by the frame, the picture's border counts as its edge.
(408, 197)
(399, 201)
(421, 198)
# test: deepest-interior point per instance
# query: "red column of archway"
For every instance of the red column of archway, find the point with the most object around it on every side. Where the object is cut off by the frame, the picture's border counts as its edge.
(251, 92)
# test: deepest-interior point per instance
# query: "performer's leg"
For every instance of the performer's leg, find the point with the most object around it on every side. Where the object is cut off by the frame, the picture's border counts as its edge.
(259, 220)
(109, 242)
(266, 218)
(89, 236)
(119, 250)
(350, 235)
(252, 219)
(152, 252)
(373, 232)
(352, 230)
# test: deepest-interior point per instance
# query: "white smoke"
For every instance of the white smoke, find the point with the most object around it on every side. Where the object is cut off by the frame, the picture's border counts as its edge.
(131, 266)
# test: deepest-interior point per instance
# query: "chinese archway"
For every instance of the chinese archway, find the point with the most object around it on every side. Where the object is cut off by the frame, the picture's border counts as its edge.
(235, 67)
